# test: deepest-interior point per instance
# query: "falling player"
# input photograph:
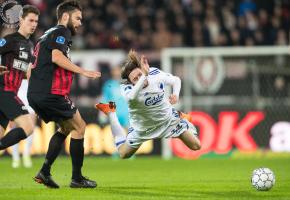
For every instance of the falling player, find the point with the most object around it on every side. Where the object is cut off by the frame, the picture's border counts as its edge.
(151, 114)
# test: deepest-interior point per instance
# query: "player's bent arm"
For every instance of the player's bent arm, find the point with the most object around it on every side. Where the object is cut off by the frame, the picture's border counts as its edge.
(63, 62)
(132, 94)
(175, 82)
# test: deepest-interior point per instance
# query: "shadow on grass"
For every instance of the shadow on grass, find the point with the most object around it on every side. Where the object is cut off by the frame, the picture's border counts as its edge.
(151, 192)
(146, 192)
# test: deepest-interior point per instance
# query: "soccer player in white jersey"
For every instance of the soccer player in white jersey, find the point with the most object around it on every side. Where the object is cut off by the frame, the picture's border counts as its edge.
(151, 113)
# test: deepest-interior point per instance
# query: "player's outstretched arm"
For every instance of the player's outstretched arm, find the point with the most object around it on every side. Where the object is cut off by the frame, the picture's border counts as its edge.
(175, 83)
(63, 62)
(176, 86)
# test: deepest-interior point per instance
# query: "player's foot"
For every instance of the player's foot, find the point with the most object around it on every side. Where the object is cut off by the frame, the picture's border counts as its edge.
(106, 107)
(185, 116)
(15, 164)
(83, 183)
(27, 163)
(46, 180)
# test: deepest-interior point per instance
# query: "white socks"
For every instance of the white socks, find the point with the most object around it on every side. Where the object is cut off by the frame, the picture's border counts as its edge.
(28, 145)
(117, 130)
(26, 151)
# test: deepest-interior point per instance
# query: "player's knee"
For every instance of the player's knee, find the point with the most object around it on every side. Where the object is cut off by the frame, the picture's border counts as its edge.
(28, 128)
(82, 127)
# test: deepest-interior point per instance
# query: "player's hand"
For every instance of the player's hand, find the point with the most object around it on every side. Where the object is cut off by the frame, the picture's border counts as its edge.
(173, 99)
(91, 74)
(144, 65)
(3, 70)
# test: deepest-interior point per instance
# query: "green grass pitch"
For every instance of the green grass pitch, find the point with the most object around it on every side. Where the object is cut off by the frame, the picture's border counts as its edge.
(149, 178)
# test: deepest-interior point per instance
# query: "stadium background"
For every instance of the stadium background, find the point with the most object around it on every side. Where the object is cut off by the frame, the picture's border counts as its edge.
(254, 100)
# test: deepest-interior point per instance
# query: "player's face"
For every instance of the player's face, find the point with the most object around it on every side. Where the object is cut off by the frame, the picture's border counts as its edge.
(75, 21)
(29, 23)
(135, 75)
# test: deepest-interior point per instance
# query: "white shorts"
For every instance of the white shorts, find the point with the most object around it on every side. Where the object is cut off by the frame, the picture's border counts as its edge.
(174, 128)
(22, 94)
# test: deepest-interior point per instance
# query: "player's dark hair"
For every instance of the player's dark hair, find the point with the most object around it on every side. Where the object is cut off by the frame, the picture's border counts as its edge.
(28, 9)
(132, 62)
(67, 6)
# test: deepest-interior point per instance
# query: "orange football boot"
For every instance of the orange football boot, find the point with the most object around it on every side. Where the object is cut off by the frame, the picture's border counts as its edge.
(106, 107)
(185, 116)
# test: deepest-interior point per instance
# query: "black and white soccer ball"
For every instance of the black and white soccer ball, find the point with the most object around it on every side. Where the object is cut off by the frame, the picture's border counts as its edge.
(263, 179)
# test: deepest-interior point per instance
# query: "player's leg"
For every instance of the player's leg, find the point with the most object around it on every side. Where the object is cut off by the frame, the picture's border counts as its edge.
(14, 110)
(190, 139)
(15, 156)
(3, 123)
(126, 151)
(27, 162)
(51, 108)
(76, 127)
(2, 130)
(24, 127)
(118, 132)
(54, 148)
(15, 151)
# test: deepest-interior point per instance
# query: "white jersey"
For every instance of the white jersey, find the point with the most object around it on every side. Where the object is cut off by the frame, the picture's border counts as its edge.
(150, 109)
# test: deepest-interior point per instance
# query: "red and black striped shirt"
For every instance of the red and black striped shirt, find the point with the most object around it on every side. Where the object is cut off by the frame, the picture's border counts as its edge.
(46, 76)
(16, 54)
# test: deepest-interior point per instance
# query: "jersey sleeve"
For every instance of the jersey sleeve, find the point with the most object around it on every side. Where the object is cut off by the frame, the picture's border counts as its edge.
(5, 45)
(126, 89)
(60, 39)
(168, 79)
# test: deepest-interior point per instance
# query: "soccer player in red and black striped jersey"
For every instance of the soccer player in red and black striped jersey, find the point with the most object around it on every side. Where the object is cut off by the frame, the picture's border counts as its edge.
(48, 90)
(16, 56)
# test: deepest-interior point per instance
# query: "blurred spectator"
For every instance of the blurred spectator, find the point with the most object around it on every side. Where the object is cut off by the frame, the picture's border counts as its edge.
(153, 25)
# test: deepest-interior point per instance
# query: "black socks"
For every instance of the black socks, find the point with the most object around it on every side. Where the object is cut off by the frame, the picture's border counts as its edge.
(77, 157)
(12, 137)
(53, 151)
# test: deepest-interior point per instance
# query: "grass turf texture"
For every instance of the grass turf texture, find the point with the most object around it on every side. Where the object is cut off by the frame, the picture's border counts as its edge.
(149, 178)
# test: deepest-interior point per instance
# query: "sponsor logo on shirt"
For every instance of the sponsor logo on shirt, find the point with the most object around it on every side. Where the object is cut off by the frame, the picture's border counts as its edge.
(23, 55)
(154, 100)
(20, 65)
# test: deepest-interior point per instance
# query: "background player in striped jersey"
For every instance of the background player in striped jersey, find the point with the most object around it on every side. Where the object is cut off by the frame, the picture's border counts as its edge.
(151, 113)
(16, 54)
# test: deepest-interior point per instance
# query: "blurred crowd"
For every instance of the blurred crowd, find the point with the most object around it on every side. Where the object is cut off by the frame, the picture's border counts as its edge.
(155, 24)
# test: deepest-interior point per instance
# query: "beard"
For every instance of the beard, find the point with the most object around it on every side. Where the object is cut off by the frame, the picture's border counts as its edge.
(71, 27)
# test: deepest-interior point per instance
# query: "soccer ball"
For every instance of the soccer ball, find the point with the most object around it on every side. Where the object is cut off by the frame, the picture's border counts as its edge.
(263, 179)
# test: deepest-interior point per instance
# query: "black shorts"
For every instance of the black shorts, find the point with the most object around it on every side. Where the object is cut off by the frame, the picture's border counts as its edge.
(51, 107)
(11, 107)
